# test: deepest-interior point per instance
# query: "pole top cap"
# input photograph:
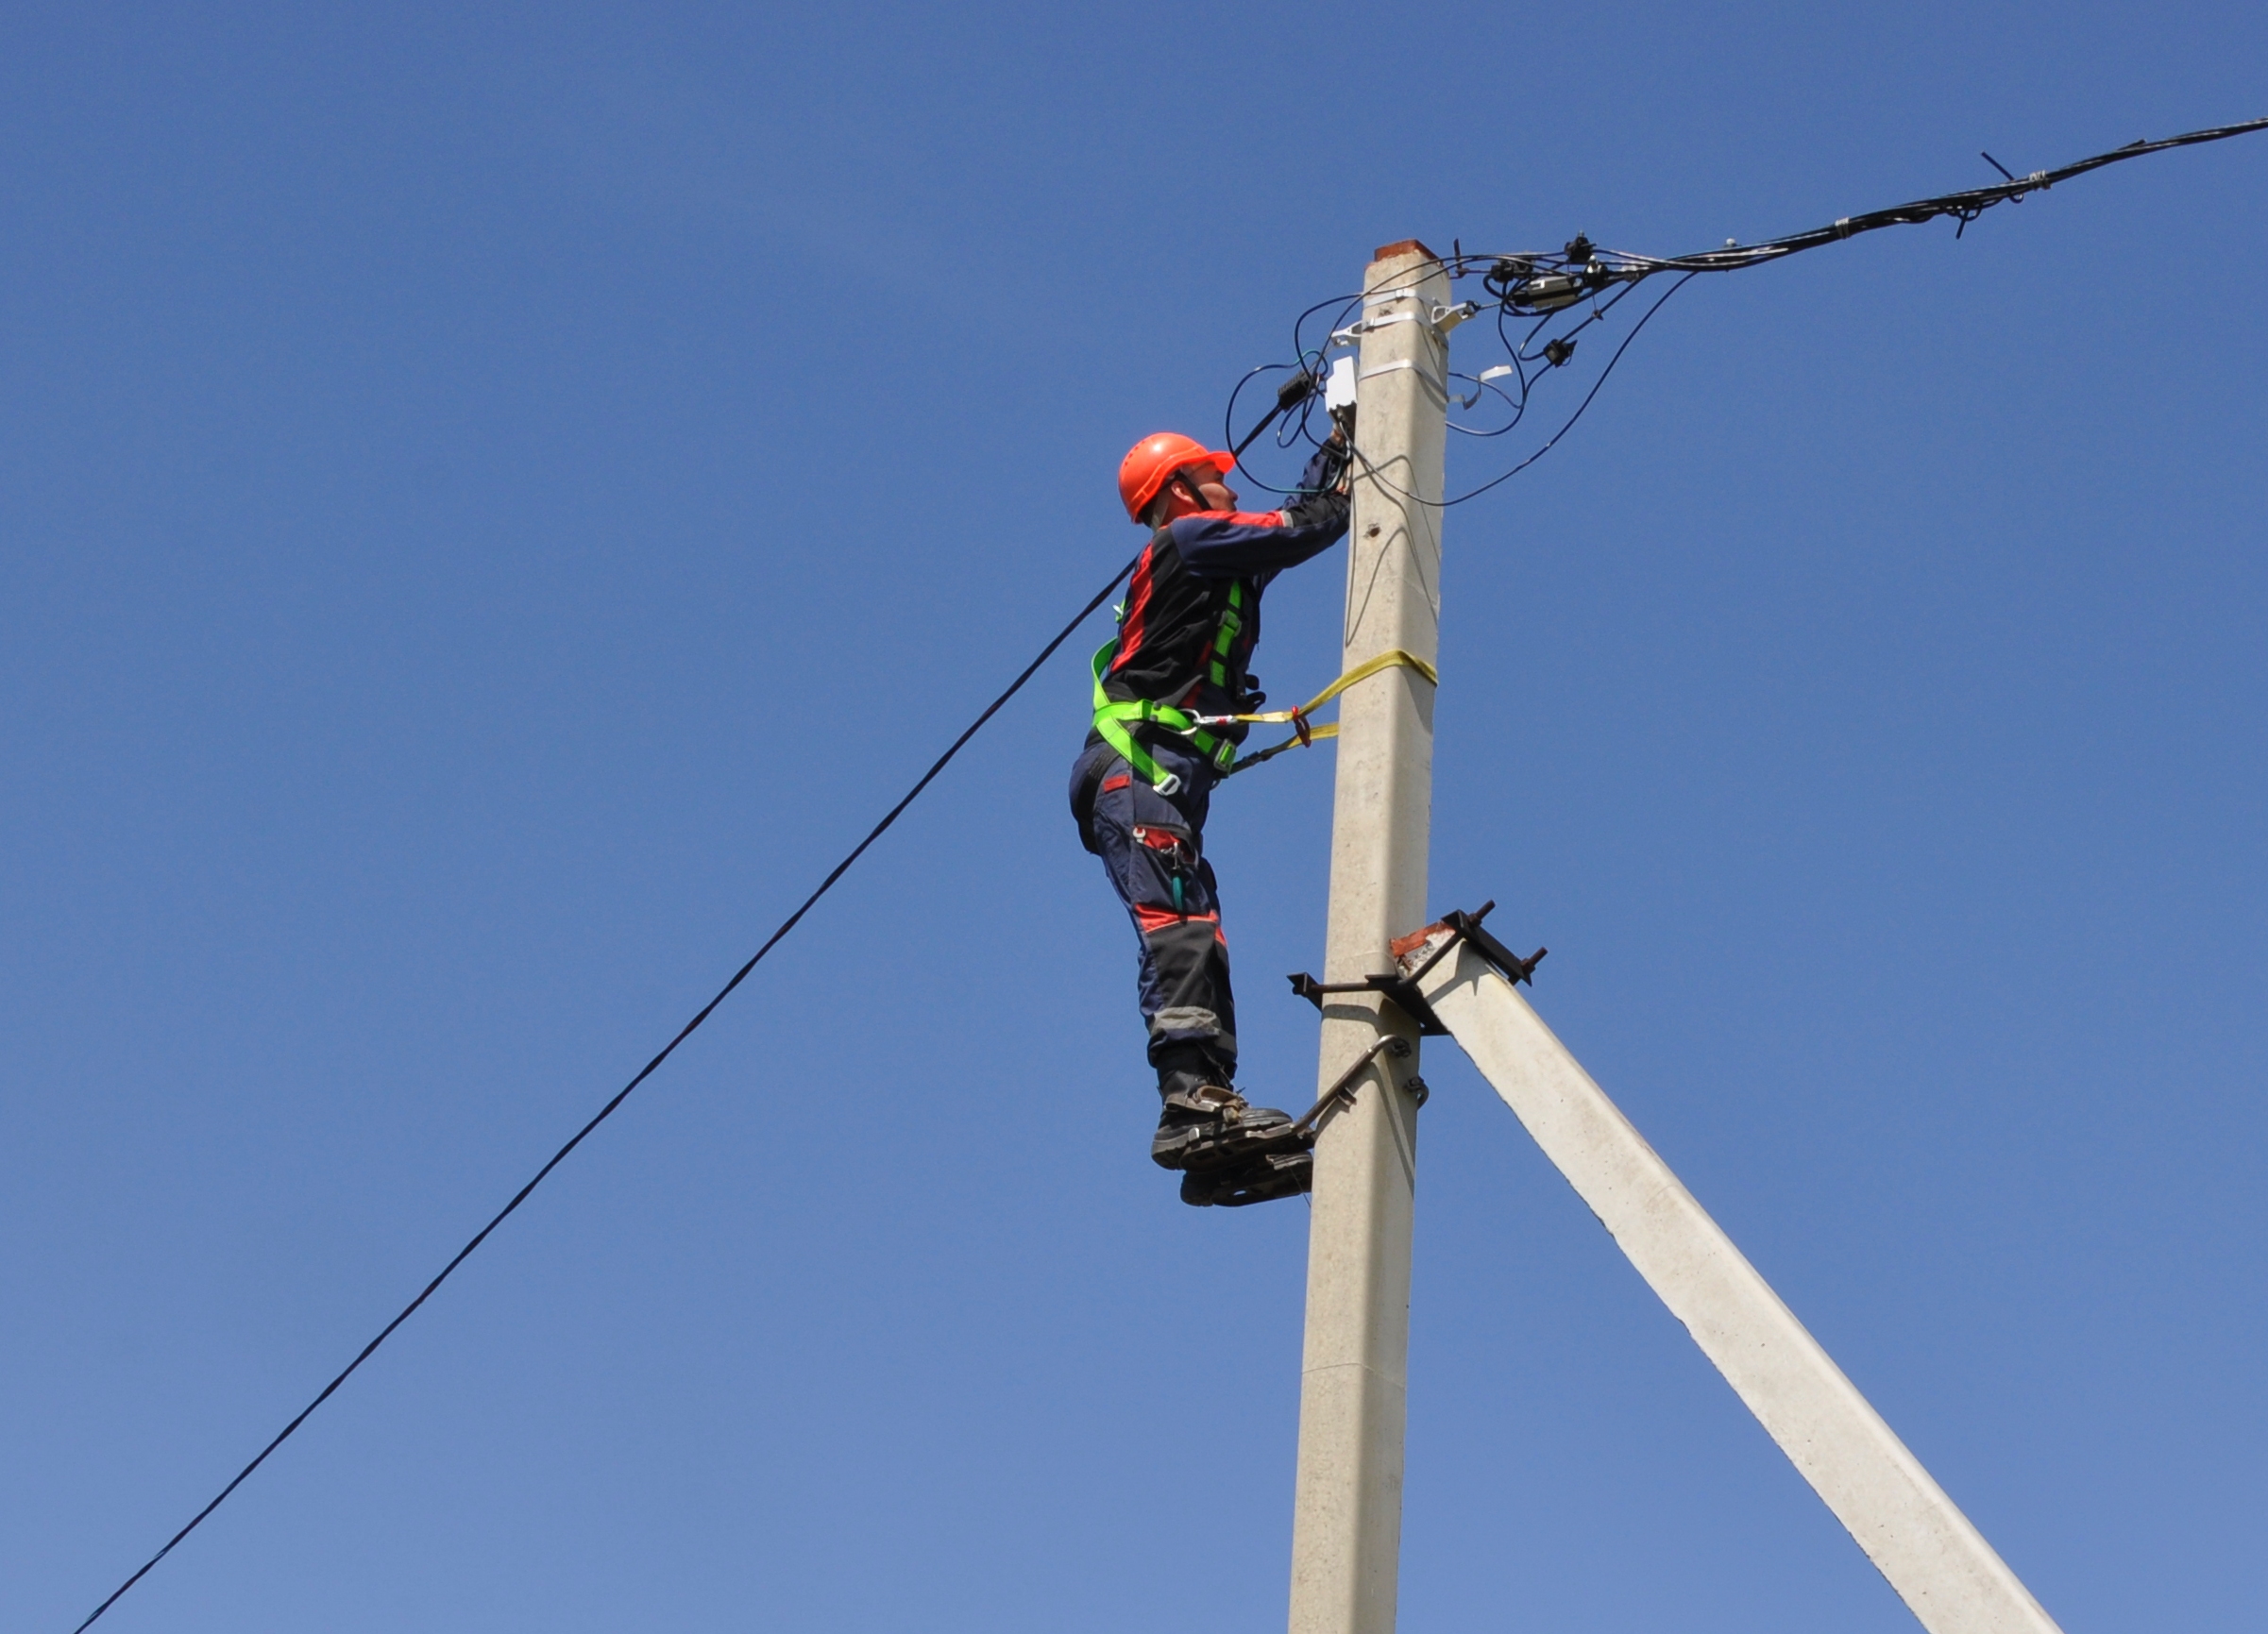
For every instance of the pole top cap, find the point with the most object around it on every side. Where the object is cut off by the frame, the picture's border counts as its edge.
(1406, 246)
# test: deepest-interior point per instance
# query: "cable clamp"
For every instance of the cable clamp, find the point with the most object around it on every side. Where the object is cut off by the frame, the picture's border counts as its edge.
(1447, 318)
(1842, 228)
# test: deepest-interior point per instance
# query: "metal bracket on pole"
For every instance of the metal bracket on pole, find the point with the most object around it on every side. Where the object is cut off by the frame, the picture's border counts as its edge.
(1436, 320)
(1344, 1089)
(1401, 990)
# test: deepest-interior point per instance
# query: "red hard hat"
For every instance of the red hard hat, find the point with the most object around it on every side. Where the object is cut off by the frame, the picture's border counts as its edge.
(1151, 463)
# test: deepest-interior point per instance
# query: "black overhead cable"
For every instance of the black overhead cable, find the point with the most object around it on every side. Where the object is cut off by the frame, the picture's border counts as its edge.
(624, 1094)
(1964, 207)
(1544, 282)
(1584, 282)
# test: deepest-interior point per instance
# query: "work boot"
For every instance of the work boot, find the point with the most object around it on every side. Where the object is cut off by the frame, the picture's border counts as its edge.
(1204, 1126)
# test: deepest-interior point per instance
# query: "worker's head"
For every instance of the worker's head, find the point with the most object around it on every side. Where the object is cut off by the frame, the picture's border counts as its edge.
(1167, 474)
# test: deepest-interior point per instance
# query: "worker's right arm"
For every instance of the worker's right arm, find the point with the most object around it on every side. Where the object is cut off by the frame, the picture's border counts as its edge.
(1241, 544)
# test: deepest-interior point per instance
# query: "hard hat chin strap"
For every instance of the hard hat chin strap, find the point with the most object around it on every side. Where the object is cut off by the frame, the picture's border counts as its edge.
(1187, 484)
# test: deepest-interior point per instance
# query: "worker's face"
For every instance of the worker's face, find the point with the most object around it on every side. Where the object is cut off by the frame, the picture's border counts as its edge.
(1219, 495)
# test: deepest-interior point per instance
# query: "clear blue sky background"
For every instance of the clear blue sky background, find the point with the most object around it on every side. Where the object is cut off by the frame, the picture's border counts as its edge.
(493, 500)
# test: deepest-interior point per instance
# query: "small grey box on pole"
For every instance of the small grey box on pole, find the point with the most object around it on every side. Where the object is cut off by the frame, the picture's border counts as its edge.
(1347, 1507)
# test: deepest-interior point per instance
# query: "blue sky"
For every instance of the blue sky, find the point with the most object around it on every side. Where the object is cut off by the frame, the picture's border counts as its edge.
(493, 500)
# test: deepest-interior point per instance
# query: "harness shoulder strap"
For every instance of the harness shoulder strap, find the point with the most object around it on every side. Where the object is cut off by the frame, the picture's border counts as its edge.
(1115, 719)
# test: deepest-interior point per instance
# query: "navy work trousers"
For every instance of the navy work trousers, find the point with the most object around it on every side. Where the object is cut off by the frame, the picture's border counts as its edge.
(1153, 847)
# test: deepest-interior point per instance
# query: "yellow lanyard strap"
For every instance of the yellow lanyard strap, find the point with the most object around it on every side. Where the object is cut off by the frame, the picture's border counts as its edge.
(1394, 659)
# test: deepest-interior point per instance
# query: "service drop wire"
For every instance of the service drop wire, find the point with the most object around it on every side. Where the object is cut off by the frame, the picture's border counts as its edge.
(624, 1094)
(1392, 487)
(1547, 285)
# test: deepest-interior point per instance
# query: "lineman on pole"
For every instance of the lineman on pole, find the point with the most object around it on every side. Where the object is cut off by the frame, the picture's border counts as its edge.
(1141, 787)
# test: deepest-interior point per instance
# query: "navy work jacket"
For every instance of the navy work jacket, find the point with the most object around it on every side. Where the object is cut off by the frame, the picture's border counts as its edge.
(1179, 590)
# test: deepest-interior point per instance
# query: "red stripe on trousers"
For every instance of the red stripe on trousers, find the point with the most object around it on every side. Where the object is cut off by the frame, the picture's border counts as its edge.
(1153, 919)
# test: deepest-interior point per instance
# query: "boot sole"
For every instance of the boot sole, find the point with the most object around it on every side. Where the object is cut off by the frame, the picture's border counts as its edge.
(1259, 1180)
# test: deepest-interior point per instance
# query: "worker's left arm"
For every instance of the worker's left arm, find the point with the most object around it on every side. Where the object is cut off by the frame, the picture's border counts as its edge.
(1240, 544)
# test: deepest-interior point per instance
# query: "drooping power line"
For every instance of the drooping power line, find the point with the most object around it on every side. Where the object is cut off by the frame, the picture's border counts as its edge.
(622, 1094)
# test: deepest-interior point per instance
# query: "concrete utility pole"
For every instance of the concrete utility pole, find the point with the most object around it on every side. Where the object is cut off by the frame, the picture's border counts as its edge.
(1347, 1516)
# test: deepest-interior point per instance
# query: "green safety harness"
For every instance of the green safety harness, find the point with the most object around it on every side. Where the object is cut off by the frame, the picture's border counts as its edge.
(1114, 721)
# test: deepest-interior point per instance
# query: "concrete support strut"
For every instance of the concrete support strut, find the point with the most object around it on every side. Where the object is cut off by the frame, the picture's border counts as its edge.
(1347, 1521)
(1941, 1565)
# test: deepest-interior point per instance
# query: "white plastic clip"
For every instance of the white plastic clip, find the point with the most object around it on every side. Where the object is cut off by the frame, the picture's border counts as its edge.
(1479, 384)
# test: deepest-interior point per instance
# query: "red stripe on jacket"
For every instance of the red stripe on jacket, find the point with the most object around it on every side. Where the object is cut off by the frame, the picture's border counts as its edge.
(1138, 603)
